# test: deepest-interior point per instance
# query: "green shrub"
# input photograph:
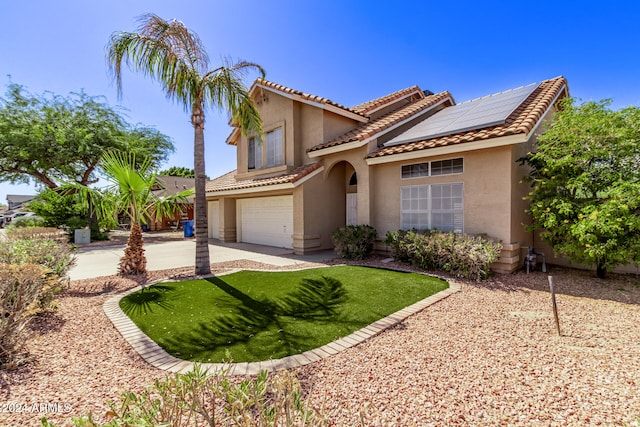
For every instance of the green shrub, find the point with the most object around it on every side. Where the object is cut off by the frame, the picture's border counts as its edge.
(21, 289)
(37, 233)
(354, 241)
(38, 248)
(42, 246)
(200, 398)
(399, 243)
(27, 221)
(463, 256)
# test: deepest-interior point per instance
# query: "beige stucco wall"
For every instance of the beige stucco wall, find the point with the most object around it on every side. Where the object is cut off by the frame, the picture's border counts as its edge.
(487, 192)
(356, 159)
(319, 207)
(304, 126)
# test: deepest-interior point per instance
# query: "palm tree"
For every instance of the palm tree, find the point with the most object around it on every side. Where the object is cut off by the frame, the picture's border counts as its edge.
(130, 192)
(174, 56)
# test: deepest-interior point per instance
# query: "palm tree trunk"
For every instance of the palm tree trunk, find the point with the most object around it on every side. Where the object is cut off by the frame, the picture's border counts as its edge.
(133, 261)
(203, 263)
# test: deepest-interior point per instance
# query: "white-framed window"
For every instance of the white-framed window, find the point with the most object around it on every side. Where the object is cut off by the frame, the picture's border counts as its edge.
(274, 148)
(446, 167)
(435, 206)
(415, 170)
(268, 152)
(435, 168)
(255, 153)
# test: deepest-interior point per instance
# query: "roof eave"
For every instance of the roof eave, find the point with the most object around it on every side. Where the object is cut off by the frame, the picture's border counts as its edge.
(251, 190)
(393, 101)
(266, 188)
(450, 149)
(328, 107)
(359, 143)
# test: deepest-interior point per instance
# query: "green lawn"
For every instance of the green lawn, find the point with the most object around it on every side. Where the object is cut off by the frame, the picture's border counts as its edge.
(256, 315)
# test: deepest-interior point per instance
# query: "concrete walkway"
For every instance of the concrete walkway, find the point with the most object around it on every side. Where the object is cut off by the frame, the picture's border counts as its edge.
(97, 261)
(100, 261)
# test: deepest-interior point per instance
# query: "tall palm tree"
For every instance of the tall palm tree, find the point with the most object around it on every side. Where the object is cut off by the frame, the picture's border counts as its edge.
(130, 192)
(174, 56)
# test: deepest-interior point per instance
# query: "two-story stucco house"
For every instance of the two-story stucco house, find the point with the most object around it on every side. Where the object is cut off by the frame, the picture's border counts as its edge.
(410, 159)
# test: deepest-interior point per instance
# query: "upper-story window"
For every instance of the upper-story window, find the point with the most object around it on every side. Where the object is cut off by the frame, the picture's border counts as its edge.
(446, 167)
(268, 152)
(440, 167)
(255, 153)
(274, 147)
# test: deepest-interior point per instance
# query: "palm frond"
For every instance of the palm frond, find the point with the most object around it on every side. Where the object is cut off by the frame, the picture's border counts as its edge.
(171, 205)
(225, 89)
(164, 50)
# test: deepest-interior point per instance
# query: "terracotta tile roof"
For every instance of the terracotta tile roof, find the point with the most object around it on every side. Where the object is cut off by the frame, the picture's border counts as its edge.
(384, 122)
(228, 181)
(367, 107)
(305, 96)
(170, 185)
(523, 119)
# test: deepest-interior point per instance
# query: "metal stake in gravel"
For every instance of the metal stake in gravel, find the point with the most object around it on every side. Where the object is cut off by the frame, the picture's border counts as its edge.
(553, 301)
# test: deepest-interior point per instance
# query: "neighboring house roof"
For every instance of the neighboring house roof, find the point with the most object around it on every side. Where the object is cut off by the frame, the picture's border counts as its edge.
(170, 185)
(17, 198)
(15, 201)
(521, 121)
(228, 181)
(387, 121)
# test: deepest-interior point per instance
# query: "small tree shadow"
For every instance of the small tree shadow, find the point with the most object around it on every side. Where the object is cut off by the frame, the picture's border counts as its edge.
(146, 300)
(92, 290)
(317, 299)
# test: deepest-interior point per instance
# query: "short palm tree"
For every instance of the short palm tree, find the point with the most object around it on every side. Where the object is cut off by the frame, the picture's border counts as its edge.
(130, 192)
(171, 54)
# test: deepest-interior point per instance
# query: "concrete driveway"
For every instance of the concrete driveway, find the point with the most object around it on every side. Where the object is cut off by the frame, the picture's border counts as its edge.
(97, 261)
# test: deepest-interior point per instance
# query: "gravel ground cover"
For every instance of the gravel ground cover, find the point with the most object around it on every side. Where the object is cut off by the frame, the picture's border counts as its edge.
(488, 355)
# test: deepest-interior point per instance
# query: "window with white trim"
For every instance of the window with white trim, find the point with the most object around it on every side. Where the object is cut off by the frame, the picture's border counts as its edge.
(274, 148)
(268, 152)
(435, 206)
(255, 153)
(436, 168)
(446, 167)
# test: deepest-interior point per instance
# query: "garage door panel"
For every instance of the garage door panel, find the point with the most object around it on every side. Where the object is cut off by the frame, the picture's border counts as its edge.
(267, 221)
(213, 219)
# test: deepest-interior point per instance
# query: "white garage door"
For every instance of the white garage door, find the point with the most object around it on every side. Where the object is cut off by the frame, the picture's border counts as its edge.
(266, 221)
(213, 219)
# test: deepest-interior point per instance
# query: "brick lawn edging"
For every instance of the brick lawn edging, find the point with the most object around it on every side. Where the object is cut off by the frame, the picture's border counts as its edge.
(156, 356)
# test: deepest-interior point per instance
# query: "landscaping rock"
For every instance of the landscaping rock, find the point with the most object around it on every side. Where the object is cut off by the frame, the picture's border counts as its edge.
(488, 355)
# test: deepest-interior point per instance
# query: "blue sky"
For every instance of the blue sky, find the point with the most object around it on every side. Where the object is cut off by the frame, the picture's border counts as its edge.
(347, 51)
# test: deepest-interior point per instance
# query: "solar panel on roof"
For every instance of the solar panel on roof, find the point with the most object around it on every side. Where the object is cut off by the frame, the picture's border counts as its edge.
(470, 115)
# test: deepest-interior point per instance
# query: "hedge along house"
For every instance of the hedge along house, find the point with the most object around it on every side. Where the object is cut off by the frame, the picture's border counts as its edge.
(410, 159)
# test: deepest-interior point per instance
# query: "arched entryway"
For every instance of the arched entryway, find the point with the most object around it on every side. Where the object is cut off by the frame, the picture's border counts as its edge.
(345, 180)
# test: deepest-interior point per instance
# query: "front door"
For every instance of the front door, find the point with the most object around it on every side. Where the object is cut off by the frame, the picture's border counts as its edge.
(352, 209)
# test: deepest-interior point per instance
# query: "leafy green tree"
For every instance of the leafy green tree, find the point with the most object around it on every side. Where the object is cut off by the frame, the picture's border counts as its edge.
(58, 210)
(129, 192)
(51, 139)
(586, 184)
(55, 208)
(174, 56)
(178, 171)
